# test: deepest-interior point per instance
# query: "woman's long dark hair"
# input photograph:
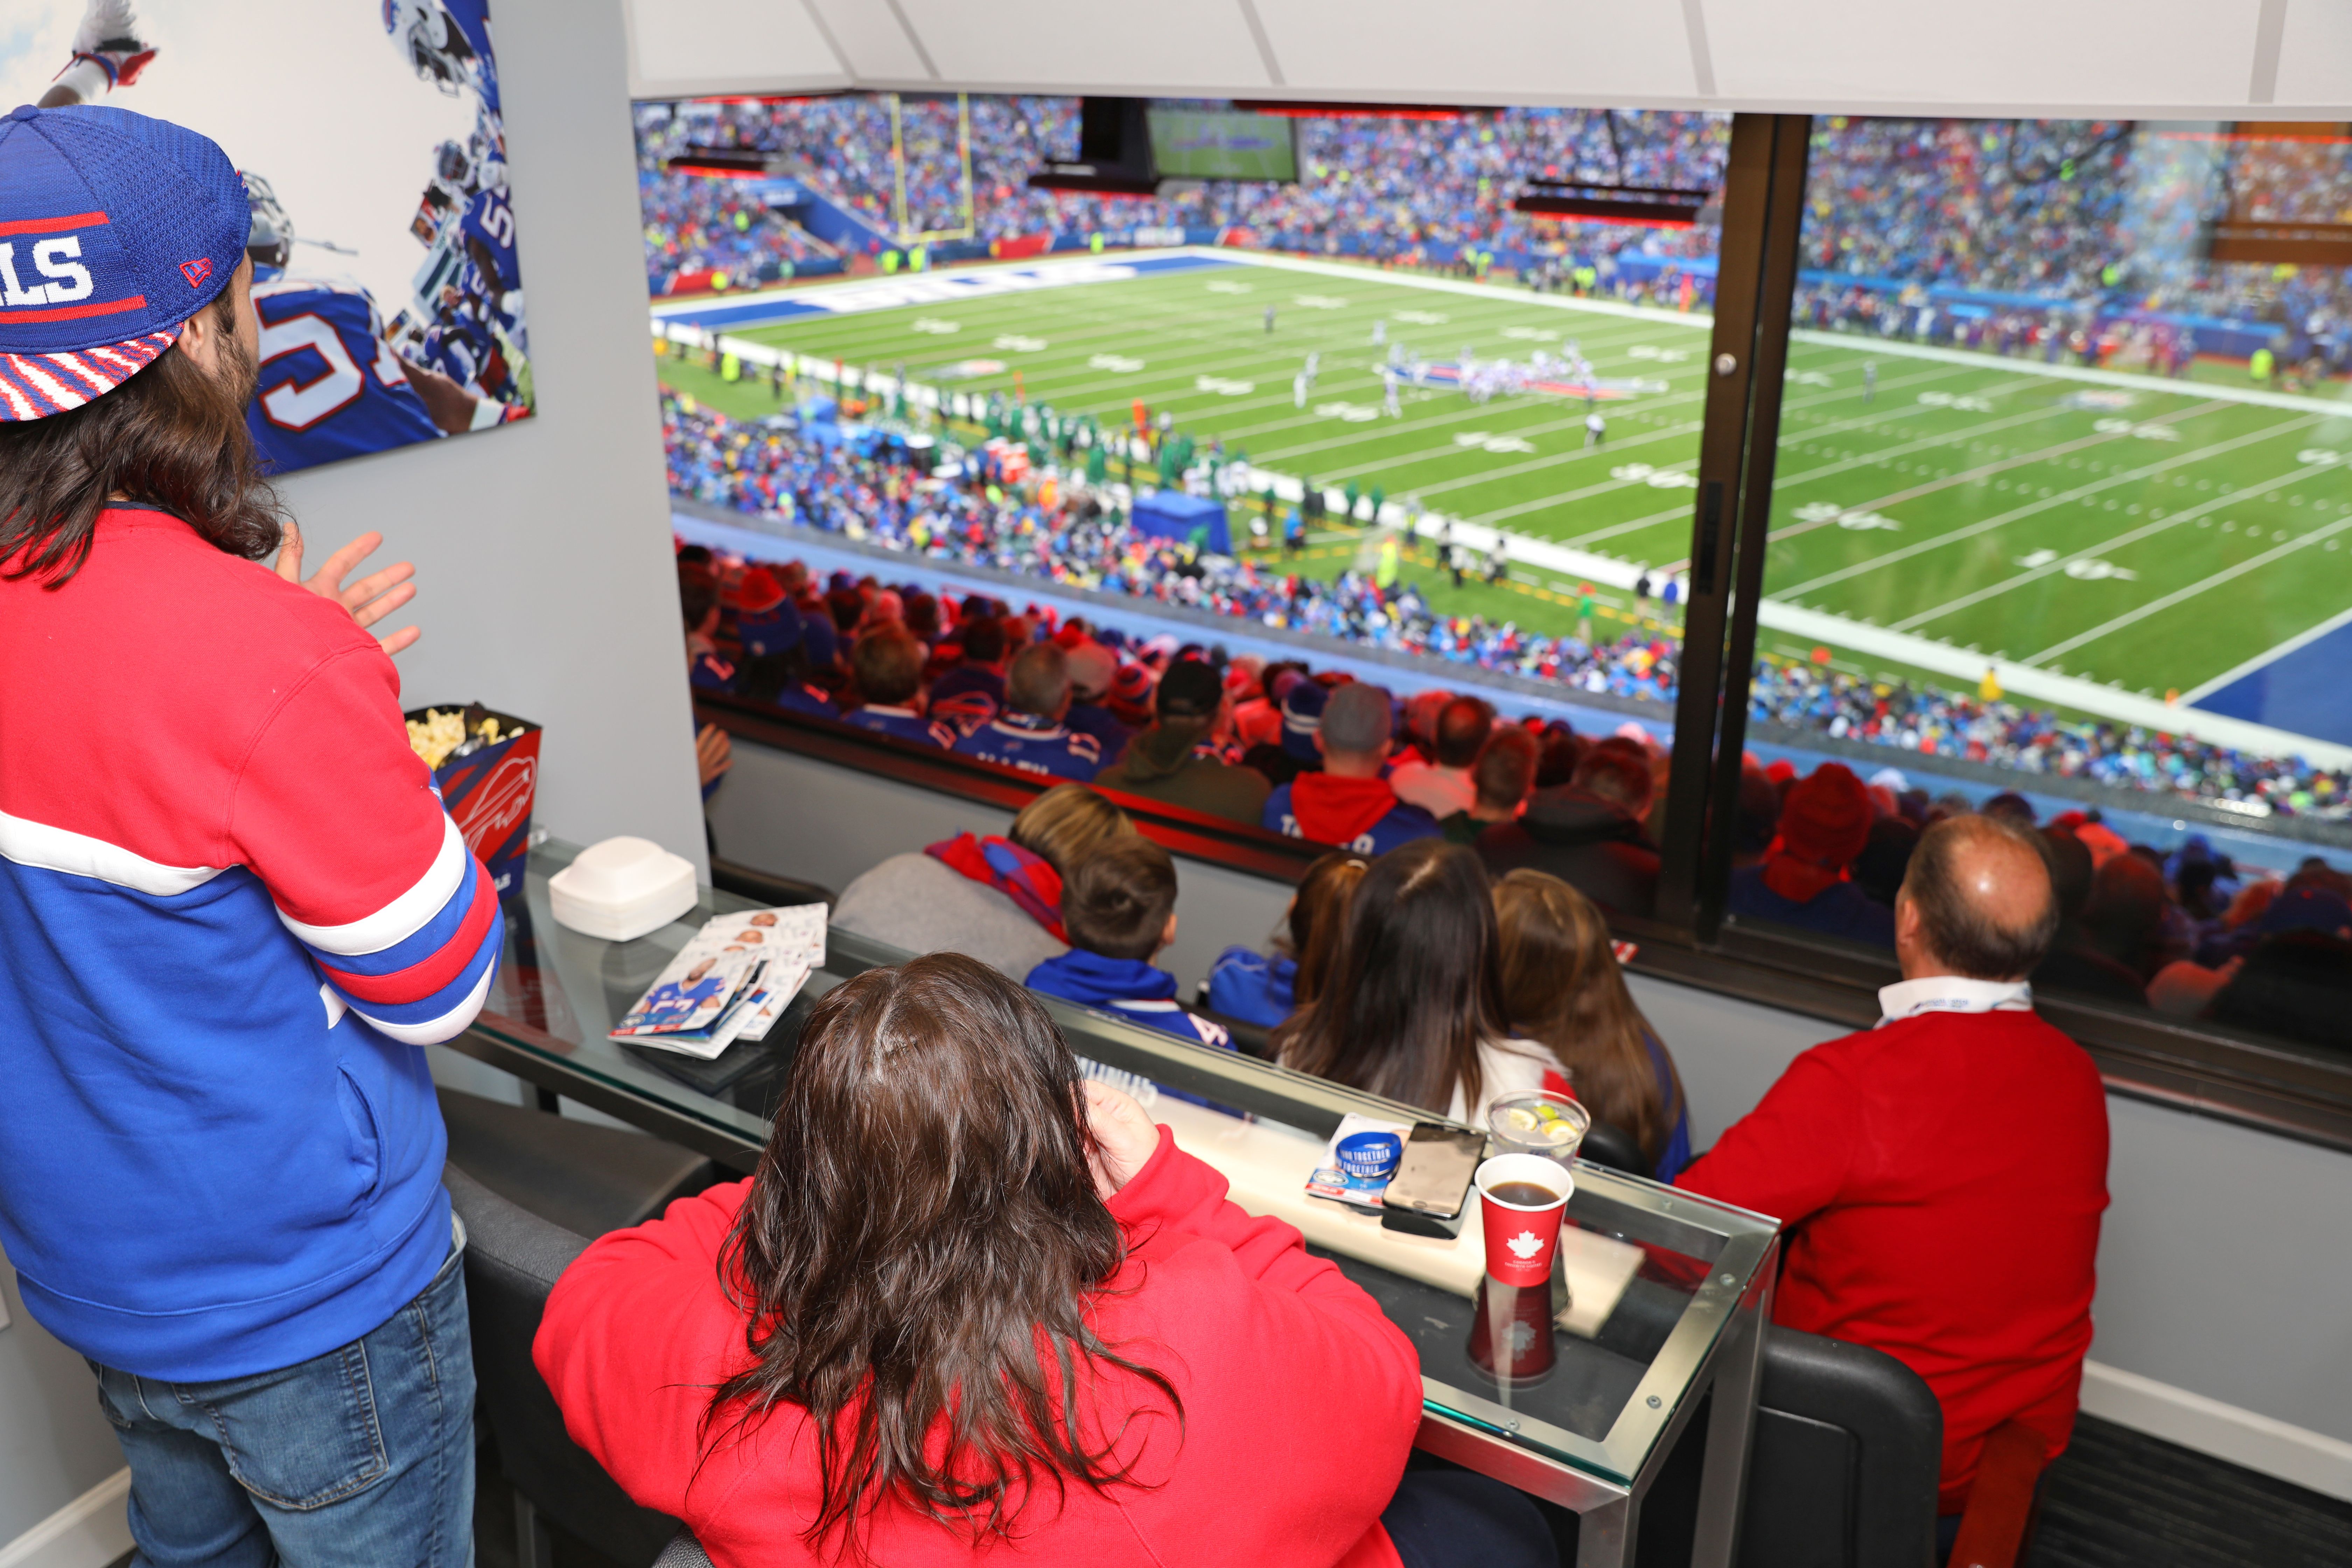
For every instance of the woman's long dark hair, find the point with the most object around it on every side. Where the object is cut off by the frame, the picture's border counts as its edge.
(171, 437)
(1562, 985)
(917, 1254)
(1318, 913)
(1413, 989)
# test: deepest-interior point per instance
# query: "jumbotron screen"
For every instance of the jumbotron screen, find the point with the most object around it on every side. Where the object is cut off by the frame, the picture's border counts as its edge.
(1222, 144)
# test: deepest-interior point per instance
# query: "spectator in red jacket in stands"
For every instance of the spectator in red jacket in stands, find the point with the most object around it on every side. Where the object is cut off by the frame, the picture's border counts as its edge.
(1942, 1175)
(860, 1354)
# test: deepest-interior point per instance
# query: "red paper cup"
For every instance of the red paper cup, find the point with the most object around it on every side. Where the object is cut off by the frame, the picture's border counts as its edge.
(1522, 1229)
(1510, 1331)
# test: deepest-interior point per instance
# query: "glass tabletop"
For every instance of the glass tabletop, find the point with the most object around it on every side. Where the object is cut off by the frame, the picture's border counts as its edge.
(1590, 1370)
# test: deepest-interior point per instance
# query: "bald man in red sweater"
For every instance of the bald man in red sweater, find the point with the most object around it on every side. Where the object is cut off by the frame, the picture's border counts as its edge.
(1941, 1175)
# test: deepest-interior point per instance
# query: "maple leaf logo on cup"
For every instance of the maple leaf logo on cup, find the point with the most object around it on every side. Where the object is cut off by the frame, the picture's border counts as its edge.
(1524, 1245)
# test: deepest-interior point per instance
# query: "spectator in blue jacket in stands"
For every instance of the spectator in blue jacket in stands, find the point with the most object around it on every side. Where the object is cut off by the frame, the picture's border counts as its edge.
(888, 665)
(969, 695)
(1349, 804)
(1029, 734)
(1803, 880)
(1118, 909)
(1263, 988)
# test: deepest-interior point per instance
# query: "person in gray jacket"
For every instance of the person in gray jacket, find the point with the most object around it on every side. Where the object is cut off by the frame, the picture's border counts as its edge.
(995, 899)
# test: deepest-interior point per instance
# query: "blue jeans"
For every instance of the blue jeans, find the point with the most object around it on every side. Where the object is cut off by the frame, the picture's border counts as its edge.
(363, 1457)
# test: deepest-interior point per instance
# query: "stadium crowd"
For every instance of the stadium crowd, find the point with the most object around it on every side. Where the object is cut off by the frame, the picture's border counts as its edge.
(701, 224)
(1322, 756)
(2082, 231)
(1072, 537)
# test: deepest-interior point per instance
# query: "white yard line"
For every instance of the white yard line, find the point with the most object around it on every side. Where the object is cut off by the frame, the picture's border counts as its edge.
(2116, 542)
(2002, 519)
(2183, 594)
(2267, 657)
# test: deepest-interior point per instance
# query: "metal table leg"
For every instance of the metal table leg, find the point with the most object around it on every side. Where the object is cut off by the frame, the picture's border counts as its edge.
(1731, 1424)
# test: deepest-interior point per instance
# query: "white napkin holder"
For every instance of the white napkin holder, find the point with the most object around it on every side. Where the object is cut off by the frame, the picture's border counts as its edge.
(622, 889)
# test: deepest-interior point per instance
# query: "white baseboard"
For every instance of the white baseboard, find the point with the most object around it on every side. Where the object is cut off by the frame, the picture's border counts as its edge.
(90, 1531)
(2307, 1458)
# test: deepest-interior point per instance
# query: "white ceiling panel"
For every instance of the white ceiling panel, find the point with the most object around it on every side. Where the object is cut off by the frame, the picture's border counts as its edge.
(685, 47)
(1531, 51)
(2018, 54)
(872, 37)
(2315, 65)
(1172, 47)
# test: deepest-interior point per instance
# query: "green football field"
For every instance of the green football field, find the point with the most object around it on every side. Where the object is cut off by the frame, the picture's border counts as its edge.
(2146, 535)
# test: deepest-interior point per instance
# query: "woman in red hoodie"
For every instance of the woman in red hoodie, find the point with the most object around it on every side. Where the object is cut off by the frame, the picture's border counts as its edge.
(972, 1305)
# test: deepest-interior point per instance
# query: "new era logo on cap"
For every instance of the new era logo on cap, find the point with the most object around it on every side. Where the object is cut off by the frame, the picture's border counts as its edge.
(113, 230)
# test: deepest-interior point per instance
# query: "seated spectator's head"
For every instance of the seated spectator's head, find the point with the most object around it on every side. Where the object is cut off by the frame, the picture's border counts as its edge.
(1412, 988)
(1120, 900)
(697, 555)
(2011, 807)
(1824, 823)
(1423, 711)
(1504, 772)
(2253, 901)
(1066, 824)
(698, 601)
(1757, 820)
(1976, 902)
(2306, 907)
(1618, 771)
(1092, 669)
(888, 664)
(943, 1054)
(1463, 726)
(2124, 916)
(1356, 729)
(1302, 718)
(1561, 983)
(1189, 696)
(2070, 872)
(1318, 913)
(983, 639)
(1886, 856)
(922, 615)
(1038, 682)
(1562, 751)
(846, 606)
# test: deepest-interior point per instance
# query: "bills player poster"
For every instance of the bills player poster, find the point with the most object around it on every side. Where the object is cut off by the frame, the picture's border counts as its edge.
(373, 151)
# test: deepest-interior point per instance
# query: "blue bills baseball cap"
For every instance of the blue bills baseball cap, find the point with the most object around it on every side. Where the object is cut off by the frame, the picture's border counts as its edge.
(114, 229)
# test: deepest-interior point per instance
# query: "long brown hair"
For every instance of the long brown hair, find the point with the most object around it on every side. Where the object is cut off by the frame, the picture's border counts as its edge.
(1412, 991)
(1562, 985)
(171, 437)
(917, 1252)
(1318, 913)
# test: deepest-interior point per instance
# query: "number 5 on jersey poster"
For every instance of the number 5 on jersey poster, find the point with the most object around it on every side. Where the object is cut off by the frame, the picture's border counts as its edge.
(373, 151)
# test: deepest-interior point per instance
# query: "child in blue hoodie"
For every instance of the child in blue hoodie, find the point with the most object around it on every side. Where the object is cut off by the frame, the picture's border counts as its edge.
(1118, 909)
(1263, 988)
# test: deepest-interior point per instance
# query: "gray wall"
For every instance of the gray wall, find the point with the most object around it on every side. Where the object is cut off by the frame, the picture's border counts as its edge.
(2222, 1266)
(54, 1444)
(543, 566)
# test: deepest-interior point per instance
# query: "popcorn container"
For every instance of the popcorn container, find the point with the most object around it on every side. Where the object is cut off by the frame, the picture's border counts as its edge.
(488, 785)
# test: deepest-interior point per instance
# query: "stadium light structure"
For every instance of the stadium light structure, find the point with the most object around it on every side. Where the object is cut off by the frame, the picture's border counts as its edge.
(1307, 109)
(1611, 201)
(1645, 206)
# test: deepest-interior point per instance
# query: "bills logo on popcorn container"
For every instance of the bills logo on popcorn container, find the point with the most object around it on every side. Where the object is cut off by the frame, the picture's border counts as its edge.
(485, 766)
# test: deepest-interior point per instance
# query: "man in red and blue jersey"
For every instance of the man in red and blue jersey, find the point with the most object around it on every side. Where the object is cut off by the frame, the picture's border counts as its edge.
(888, 662)
(1349, 804)
(1029, 734)
(231, 915)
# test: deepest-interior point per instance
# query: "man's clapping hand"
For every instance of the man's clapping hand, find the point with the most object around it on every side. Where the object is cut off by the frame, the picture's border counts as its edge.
(371, 598)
